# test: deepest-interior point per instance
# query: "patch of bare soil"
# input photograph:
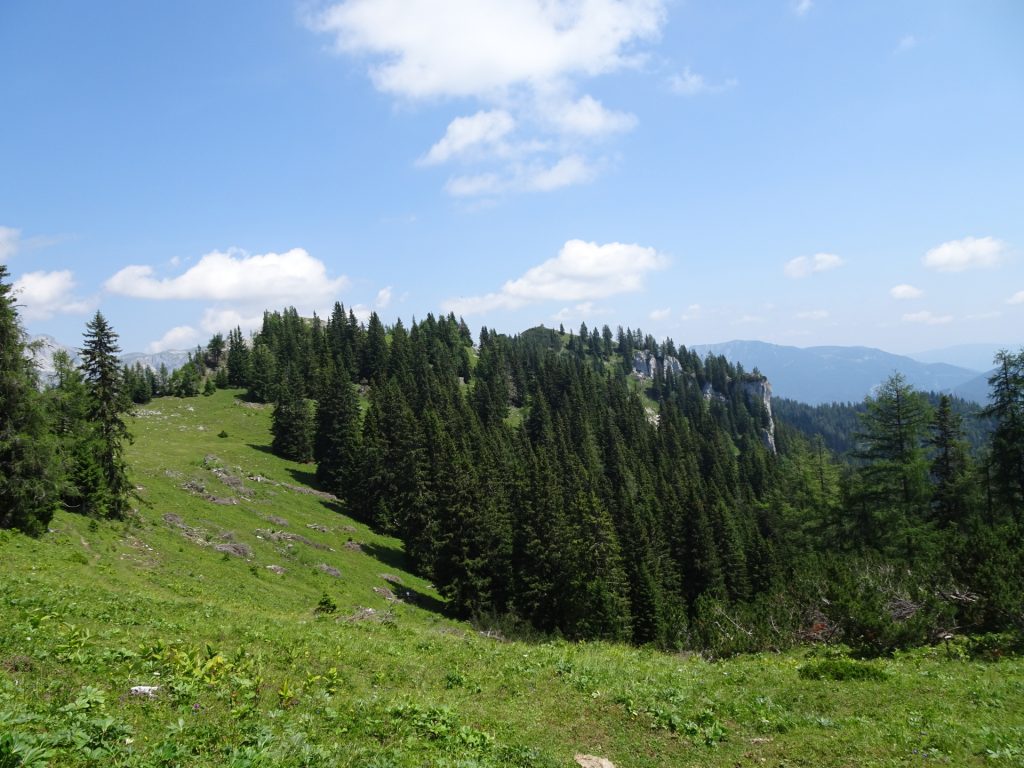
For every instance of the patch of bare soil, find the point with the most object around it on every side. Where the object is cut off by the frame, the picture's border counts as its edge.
(17, 663)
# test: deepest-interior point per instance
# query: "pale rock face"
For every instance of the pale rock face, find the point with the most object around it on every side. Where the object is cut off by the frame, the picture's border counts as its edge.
(645, 366)
(762, 390)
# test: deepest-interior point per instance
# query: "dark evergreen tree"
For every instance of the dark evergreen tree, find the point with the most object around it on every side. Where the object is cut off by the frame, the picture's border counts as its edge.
(1007, 407)
(292, 423)
(28, 470)
(107, 405)
(337, 445)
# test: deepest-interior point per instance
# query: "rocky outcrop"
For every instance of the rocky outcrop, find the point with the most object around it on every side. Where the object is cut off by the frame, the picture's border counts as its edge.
(759, 389)
(645, 365)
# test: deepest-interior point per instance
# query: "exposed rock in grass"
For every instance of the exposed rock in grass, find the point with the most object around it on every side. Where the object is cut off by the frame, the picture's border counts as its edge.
(369, 614)
(589, 761)
(198, 488)
(309, 491)
(353, 546)
(276, 520)
(348, 528)
(330, 570)
(391, 578)
(149, 691)
(276, 569)
(272, 535)
(318, 527)
(387, 594)
(234, 548)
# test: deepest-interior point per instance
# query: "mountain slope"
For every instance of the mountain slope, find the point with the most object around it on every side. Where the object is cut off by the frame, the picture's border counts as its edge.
(45, 347)
(817, 375)
(242, 671)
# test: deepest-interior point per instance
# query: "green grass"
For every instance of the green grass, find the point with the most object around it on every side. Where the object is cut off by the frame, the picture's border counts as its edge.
(250, 673)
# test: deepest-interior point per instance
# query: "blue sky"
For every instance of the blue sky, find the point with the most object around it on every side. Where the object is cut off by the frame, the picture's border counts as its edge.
(801, 171)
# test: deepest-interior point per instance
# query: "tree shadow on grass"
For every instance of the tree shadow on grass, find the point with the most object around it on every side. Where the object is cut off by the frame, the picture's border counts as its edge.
(393, 557)
(306, 477)
(263, 448)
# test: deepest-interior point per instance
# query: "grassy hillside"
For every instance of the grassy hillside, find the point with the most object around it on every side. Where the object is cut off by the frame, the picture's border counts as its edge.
(210, 595)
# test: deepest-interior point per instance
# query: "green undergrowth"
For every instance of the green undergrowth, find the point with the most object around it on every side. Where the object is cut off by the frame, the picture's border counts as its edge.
(338, 656)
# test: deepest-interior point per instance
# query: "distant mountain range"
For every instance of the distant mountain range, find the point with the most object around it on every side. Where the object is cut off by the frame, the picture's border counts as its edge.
(816, 375)
(45, 347)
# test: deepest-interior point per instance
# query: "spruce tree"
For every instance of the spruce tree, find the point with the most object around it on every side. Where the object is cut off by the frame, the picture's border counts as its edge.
(107, 404)
(337, 445)
(28, 471)
(1007, 407)
(292, 423)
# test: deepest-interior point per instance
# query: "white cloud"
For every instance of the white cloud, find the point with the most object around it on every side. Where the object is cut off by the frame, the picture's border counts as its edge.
(927, 318)
(9, 242)
(693, 312)
(802, 266)
(533, 177)
(1017, 298)
(589, 117)
(521, 59)
(179, 337)
(483, 48)
(222, 320)
(801, 7)
(969, 253)
(467, 134)
(660, 314)
(384, 297)
(566, 172)
(45, 294)
(271, 278)
(906, 43)
(581, 311)
(581, 272)
(904, 291)
(812, 314)
(689, 83)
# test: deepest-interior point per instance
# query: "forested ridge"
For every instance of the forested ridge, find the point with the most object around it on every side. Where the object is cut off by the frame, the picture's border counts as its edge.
(538, 481)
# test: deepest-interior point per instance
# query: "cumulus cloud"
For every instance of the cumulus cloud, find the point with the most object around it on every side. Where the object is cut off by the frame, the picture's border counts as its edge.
(522, 59)
(1017, 298)
(465, 135)
(224, 319)
(927, 318)
(384, 297)
(689, 83)
(968, 253)
(532, 177)
(45, 294)
(9, 242)
(660, 314)
(803, 266)
(581, 272)
(589, 117)
(179, 337)
(904, 291)
(430, 48)
(235, 275)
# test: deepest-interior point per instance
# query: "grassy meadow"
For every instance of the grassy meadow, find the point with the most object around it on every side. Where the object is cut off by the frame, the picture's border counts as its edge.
(270, 629)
